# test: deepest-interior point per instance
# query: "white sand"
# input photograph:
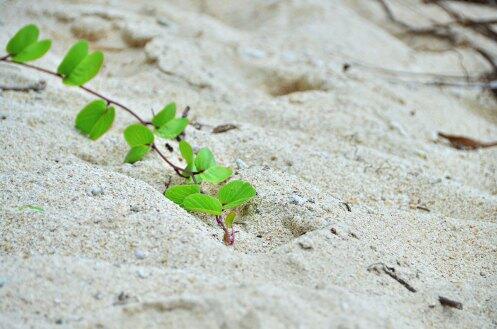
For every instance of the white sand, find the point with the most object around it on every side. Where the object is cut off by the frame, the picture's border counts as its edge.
(355, 137)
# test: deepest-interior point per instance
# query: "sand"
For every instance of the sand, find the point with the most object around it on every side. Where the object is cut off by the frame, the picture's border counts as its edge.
(109, 251)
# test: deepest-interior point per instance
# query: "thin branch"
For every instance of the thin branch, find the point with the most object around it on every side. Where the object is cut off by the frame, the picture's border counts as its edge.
(390, 271)
(444, 31)
(37, 68)
(483, 29)
(109, 101)
(177, 169)
(449, 302)
(392, 72)
(37, 86)
(491, 3)
(390, 15)
(491, 85)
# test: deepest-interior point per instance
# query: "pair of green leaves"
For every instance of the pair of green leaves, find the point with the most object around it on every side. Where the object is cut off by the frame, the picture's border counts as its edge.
(166, 123)
(140, 138)
(95, 119)
(25, 47)
(79, 66)
(230, 196)
(204, 164)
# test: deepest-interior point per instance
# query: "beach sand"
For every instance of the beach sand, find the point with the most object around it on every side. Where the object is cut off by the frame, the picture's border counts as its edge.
(108, 250)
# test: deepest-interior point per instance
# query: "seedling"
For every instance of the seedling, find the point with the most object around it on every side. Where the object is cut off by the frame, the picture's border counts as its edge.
(78, 67)
(32, 208)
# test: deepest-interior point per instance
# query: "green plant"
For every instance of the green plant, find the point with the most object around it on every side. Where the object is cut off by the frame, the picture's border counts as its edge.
(77, 68)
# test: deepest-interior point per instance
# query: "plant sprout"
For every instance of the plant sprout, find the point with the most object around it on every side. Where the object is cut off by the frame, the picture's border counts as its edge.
(77, 68)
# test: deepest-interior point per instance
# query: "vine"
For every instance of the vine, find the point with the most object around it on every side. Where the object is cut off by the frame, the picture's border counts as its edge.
(77, 68)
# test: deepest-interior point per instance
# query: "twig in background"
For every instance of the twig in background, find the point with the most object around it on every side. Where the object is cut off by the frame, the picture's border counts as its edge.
(465, 143)
(390, 271)
(38, 86)
(449, 302)
(224, 128)
(445, 31)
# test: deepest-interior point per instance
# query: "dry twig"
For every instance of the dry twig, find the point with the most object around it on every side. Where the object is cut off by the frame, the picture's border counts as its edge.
(37, 86)
(390, 271)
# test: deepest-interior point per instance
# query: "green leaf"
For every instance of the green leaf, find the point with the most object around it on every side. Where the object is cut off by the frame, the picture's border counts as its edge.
(205, 159)
(137, 153)
(86, 70)
(89, 115)
(216, 174)
(202, 203)
(22, 39)
(73, 57)
(33, 51)
(103, 124)
(187, 152)
(137, 134)
(95, 119)
(228, 221)
(173, 128)
(167, 114)
(236, 193)
(198, 178)
(177, 194)
(32, 207)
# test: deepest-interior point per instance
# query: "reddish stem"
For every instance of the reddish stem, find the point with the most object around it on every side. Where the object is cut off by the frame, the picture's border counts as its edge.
(229, 237)
(109, 101)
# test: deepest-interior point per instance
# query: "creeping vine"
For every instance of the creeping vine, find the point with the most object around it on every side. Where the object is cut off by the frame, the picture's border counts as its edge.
(77, 68)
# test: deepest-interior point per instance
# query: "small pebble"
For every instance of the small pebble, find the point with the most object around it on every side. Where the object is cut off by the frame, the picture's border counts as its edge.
(140, 254)
(96, 191)
(134, 208)
(141, 273)
(162, 22)
(305, 244)
(436, 181)
(240, 164)
(297, 199)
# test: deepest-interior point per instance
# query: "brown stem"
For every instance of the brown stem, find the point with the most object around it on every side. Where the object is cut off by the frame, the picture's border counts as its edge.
(177, 169)
(109, 101)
